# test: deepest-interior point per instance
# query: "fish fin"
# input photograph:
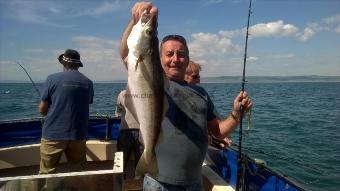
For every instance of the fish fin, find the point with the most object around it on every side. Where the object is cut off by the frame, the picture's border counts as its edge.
(140, 59)
(144, 167)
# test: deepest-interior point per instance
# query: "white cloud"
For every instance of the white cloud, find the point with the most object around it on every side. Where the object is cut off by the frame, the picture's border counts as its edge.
(26, 11)
(329, 24)
(306, 34)
(332, 19)
(37, 12)
(252, 59)
(49, 12)
(232, 33)
(92, 41)
(332, 23)
(337, 29)
(104, 8)
(210, 2)
(279, 29)
(205, 44)
(101, 58)
(213, 51)
(274, 29)
(282, 56)
(220, 50)
(55, 10)
(318, 27)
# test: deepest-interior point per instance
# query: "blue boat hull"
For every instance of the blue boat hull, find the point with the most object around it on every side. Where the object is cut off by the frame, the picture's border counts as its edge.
(257, 177)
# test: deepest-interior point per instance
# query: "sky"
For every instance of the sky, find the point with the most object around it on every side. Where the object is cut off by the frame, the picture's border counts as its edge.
(287, 37)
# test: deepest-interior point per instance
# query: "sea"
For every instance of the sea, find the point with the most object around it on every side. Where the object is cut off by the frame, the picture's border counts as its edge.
(294, 126)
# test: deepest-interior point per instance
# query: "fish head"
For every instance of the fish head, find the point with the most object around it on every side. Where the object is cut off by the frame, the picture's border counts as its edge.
(149, 23)
(142, 35)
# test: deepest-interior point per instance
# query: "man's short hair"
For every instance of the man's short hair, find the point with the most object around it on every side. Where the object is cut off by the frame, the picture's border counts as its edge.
(178, 38)
(70, 66)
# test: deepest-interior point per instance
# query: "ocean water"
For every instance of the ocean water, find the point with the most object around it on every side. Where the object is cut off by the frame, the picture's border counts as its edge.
(295, 124)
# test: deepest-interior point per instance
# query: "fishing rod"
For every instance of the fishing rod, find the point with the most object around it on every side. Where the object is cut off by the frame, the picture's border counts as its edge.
(240, 161)
(30, 79)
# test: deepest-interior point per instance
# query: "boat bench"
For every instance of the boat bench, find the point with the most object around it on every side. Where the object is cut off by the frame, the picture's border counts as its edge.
(29, 155)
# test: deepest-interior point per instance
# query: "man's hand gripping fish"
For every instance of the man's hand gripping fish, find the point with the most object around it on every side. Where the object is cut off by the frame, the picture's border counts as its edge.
(145, 97)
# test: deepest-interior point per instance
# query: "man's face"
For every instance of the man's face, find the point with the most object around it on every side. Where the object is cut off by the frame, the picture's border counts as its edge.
(174, 59)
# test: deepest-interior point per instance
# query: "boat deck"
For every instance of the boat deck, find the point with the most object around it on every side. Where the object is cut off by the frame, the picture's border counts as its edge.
(104, 171)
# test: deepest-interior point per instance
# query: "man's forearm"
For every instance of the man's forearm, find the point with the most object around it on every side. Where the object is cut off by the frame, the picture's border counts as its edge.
(43, 107)
(123, 49)
(223, 128)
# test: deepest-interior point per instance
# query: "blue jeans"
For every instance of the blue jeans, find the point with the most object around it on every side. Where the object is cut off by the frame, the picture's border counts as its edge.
(151, 184)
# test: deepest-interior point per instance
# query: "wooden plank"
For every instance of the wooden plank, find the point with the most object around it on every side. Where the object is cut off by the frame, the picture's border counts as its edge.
(212, 181)
(118, 166)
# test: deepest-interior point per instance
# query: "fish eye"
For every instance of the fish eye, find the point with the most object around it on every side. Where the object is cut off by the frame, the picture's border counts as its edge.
(148, 31)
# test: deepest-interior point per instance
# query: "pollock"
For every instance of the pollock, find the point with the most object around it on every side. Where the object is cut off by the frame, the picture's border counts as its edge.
(145, 89)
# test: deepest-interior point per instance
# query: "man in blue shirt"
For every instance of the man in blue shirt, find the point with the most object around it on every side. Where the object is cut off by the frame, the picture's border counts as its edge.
(181, 151)
(65, 103)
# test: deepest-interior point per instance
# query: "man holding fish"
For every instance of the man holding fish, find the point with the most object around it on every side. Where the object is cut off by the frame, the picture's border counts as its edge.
(175, 117)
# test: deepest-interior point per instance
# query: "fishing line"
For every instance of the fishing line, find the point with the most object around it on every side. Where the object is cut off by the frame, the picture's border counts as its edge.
(240, 161)
(269, 154)
(294, 161)
(30, 79)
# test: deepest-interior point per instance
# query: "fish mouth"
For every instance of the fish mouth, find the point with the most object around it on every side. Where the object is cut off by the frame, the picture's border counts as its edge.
(148, 21)
(146, 17)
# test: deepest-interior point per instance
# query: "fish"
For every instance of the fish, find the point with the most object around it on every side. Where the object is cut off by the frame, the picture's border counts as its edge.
(145, 98)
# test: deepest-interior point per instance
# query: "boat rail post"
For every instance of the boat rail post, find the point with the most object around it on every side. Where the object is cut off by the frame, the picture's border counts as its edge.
(108, 135)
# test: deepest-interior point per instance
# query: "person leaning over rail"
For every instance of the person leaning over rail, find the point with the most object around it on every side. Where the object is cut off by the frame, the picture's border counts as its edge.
(65, 103)
(184, 143)
(192, 76)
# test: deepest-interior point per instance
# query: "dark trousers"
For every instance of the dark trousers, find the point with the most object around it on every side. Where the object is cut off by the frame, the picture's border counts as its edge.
(129, 142)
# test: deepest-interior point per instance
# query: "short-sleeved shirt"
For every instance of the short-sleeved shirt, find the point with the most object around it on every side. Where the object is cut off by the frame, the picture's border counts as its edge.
(69, 94)
(126, 117)
(182, 147)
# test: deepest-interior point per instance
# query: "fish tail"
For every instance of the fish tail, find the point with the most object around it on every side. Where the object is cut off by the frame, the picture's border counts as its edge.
(146, 166)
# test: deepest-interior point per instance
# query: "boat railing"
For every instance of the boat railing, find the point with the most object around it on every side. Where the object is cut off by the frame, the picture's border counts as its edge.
(101, 127)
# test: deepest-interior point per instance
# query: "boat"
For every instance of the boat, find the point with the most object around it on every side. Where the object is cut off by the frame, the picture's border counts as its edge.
(19, 163)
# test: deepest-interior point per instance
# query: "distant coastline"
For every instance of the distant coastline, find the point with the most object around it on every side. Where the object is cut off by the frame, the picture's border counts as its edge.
(270, 79)
(235, 79)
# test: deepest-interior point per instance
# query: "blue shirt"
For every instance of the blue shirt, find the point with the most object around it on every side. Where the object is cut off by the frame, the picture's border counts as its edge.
(69, 94)
(183, 144)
